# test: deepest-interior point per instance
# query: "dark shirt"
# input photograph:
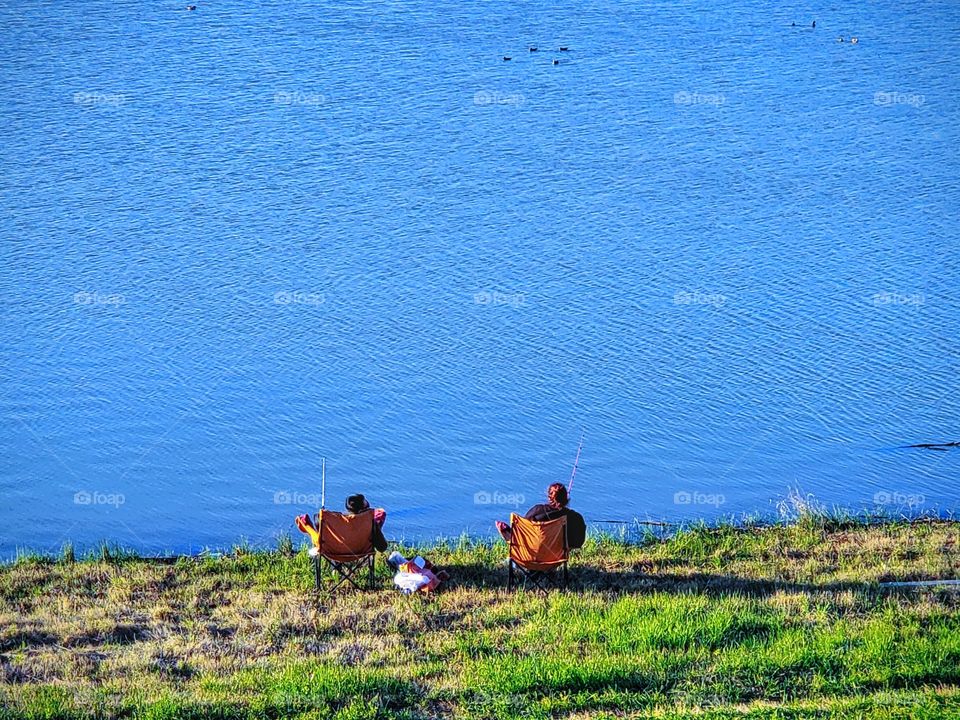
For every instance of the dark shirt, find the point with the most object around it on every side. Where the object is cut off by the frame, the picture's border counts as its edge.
(576, 527)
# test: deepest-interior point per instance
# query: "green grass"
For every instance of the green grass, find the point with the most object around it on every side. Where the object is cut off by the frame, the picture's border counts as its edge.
(713, 622)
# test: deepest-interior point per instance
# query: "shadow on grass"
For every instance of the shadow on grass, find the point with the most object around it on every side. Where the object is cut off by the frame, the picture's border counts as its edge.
(637, 580)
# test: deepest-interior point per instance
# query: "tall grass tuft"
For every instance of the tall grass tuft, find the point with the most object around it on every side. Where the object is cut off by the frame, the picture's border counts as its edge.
(285, 545)
(29, 557)
(802, 509)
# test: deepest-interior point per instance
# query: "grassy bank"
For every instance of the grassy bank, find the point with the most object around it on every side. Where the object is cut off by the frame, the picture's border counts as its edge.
(779, 622)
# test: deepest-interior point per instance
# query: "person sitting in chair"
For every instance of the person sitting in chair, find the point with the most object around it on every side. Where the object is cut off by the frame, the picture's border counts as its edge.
(555, 507)
(356, 505)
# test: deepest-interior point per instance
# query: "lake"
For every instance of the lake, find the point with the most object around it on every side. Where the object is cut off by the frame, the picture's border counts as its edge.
(237, 240)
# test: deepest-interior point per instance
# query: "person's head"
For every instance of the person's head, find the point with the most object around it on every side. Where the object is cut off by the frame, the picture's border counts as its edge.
(557, 495)
(357, 503)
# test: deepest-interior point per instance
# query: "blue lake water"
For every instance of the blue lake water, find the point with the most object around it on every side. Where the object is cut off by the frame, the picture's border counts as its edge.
(237, 240)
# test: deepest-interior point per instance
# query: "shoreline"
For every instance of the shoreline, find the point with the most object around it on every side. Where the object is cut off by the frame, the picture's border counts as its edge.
(636, 533)
(795, 507)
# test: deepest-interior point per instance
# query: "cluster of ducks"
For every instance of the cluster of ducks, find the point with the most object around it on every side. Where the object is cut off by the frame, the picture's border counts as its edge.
(853, 41)
(534, 48)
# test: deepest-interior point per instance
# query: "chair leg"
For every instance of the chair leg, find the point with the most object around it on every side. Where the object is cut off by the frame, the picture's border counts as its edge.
(510, 575)
(360, 575)
(565, 578)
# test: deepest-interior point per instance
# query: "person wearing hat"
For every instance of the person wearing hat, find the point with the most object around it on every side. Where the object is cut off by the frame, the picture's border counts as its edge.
(357, 504)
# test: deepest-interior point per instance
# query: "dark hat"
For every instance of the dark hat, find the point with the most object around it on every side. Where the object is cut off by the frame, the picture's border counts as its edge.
(357, 503)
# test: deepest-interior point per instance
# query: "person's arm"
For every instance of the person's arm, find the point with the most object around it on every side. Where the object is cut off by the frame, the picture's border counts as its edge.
(379, 541)
(576, 530)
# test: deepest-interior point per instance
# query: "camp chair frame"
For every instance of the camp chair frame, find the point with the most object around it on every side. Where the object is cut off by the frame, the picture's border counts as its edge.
(540, 580)
(552, 575)
(346, 571)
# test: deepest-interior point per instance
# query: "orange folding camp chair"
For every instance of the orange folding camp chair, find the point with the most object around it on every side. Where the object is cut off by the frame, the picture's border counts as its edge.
(538, 553)
(345, 544)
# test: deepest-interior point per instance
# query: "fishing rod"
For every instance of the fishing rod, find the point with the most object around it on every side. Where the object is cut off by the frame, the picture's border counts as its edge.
(318, 557)
(576, 462)
(323, 501)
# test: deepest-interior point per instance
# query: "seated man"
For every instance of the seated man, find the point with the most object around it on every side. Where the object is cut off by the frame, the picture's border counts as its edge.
(555, 507)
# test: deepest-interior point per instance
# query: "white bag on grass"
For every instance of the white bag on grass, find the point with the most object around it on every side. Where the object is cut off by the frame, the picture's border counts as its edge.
(410, 582)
